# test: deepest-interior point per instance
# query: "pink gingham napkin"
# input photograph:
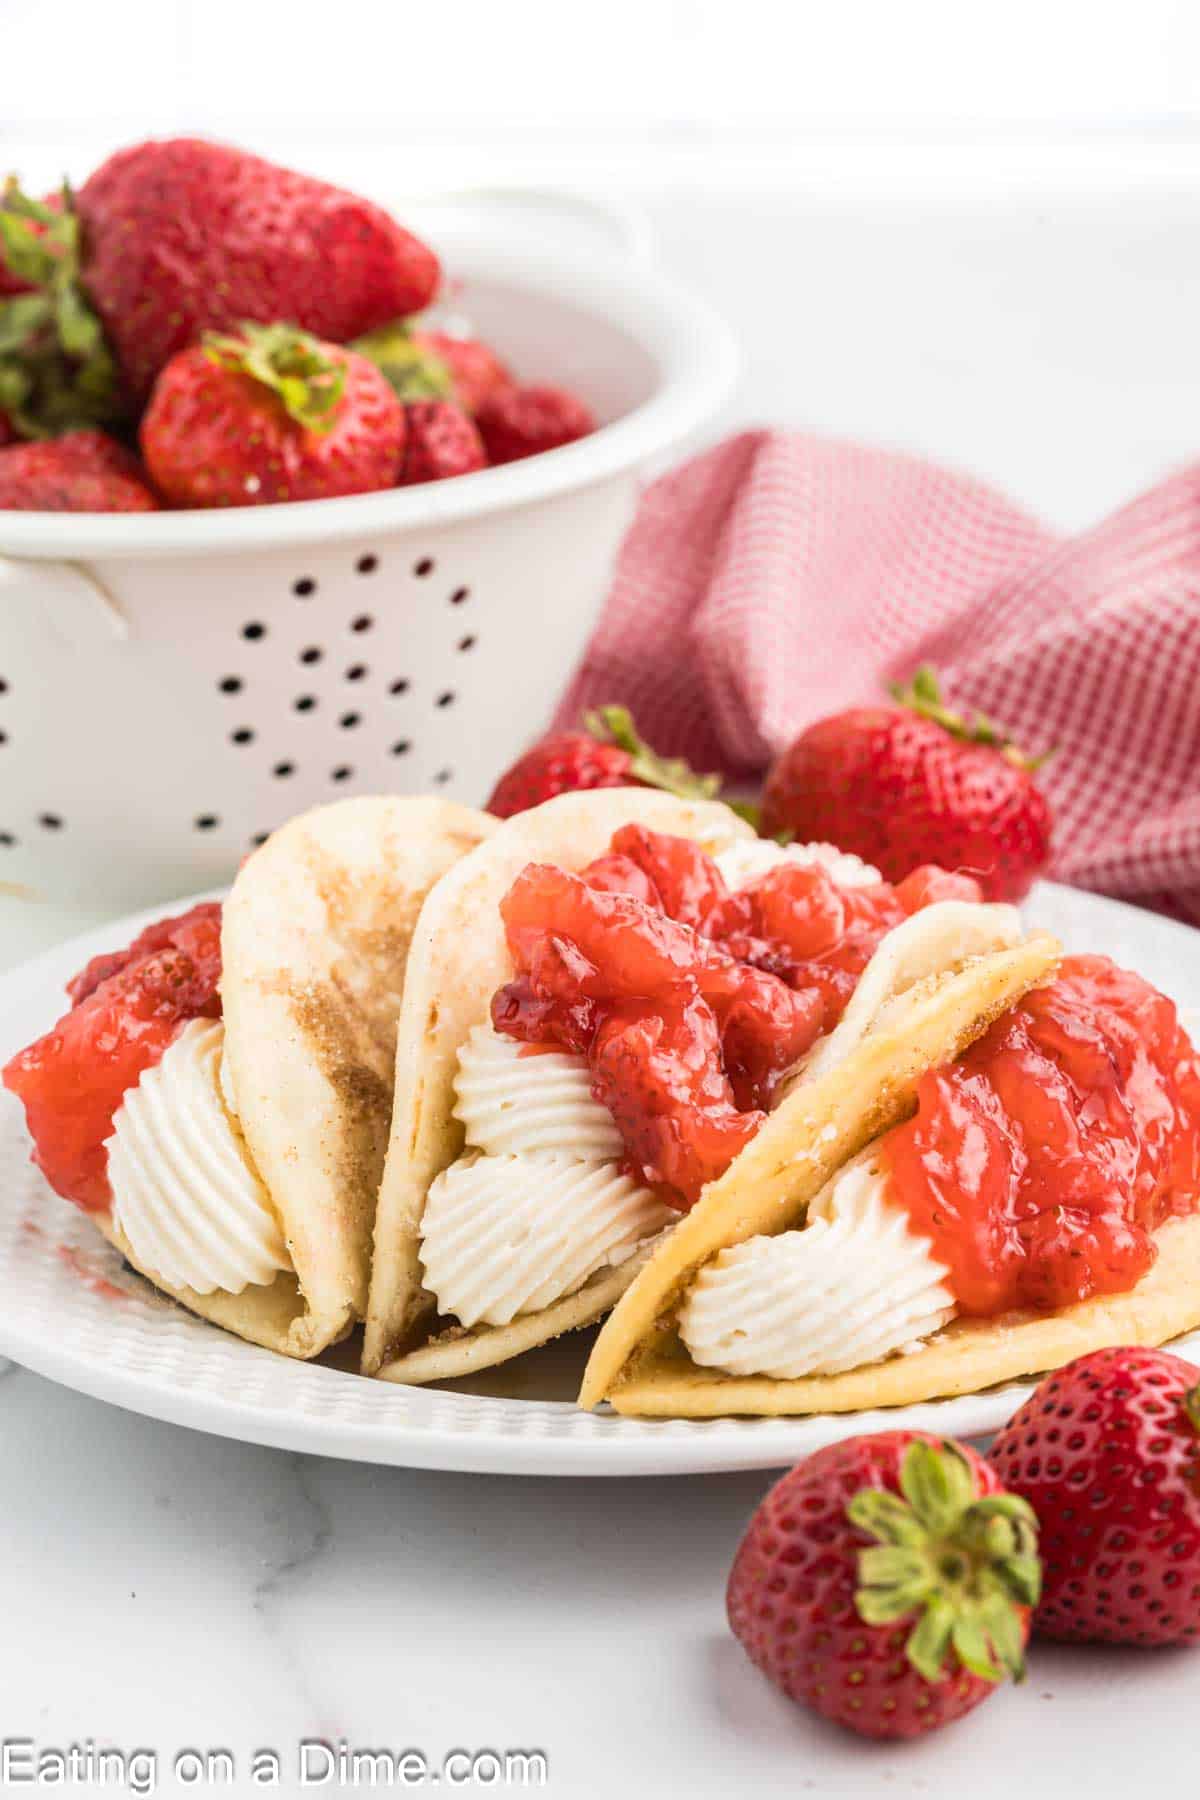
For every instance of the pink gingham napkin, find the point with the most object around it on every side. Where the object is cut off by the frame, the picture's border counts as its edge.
(777, 578)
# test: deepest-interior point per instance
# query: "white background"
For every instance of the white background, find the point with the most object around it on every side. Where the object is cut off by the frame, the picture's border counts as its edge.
(965, 227)
(962, 227)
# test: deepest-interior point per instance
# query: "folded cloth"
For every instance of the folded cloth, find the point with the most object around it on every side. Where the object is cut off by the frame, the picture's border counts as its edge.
(778, 578)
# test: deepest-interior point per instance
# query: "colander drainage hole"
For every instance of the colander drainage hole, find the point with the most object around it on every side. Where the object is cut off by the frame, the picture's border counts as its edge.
(243, 735)
(260, 837)
(425, 567)
(363, 622)
(303, 589)
(367, 565)
(443, 776)
(231, 684)
(207, 822)
(459, 596)
(349, 720)
(402, 747)
(283, 769)
(446, 699)
(400, 687)
(313, 654)
(356, 671)
(343, 772)
(3, 685)
(7, 840)
(304, 702)
(469, 642)
(50, 822)
(254, 631)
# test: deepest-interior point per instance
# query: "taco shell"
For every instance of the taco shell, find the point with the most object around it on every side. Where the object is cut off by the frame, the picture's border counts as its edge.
(459, 958)
(821, 1124)
(314, 943)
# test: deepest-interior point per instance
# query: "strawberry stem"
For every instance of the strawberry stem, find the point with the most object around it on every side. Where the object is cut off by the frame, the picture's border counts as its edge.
(614, 725)
(56, 371)
(964, 1565)
(297, 369)
(923, 695)
(415, 372)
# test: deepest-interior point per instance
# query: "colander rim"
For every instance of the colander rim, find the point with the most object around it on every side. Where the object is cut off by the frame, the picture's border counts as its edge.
(697, 362)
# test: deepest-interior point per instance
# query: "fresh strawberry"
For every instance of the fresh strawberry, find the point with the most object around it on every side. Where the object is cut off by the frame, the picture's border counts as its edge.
(8, 434)
(56, 371)
(1107, 1452)
(475, 370)
(887, 1582)
(185, 236)
(901, 786)
(523, 421)
(83, 471)
(610, 753)
(441, 441)
(269, 415)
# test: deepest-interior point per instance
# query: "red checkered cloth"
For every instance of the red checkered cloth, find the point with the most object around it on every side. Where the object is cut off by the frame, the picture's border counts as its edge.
(777, 578)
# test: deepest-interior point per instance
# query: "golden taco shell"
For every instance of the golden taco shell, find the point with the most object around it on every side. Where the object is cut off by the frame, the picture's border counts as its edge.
(459, 958)
(821, 1124)
(314, 943)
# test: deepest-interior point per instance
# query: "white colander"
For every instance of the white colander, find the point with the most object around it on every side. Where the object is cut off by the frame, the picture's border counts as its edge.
(172, 686)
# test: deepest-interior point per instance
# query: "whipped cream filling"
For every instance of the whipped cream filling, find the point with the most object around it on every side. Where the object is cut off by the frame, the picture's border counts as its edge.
(185, 1192)
(749, 858)
(539, 1202)
(852, 1286)
(504, 1235)
(516, 1103)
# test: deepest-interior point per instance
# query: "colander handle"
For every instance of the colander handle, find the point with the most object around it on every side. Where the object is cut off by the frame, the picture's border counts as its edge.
(72, 603)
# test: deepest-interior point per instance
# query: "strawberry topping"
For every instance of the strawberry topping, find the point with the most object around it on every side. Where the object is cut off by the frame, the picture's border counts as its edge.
(1041, 1162)
(690, 1002)
(126, 1010)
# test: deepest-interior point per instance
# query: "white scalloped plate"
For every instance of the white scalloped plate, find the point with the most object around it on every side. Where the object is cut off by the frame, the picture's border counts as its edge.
(71, 1310)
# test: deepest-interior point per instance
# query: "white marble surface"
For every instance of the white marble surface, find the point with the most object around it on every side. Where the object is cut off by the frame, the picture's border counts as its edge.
(167, 1590)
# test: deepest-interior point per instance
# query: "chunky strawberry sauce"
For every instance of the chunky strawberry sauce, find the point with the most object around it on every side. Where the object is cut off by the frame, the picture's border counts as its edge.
(126, 1010)
(690, 1002)
(1040, 1163)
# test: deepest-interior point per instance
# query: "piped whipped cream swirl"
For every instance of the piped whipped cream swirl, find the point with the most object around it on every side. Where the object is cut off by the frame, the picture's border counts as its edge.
(185, 1192)
(516, 1103)
(852, 1286)
(505, 1235)
(539, 1203)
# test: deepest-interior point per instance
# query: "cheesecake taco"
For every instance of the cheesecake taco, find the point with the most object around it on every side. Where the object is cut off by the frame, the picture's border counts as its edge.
(218, 1097)
(1003, 1175)
(607, 1004)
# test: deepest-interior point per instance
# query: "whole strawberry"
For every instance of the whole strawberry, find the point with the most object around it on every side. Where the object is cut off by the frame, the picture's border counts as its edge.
(185, 236)
(887, 1582)
(270, 415)
(1107, 1451)
(523, 421)
(609, 754)
(911, 784)
(476, 372)
(83, 471)
(441, 441)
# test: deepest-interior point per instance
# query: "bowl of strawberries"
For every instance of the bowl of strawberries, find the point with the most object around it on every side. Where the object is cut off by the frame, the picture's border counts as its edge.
(294, 502)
